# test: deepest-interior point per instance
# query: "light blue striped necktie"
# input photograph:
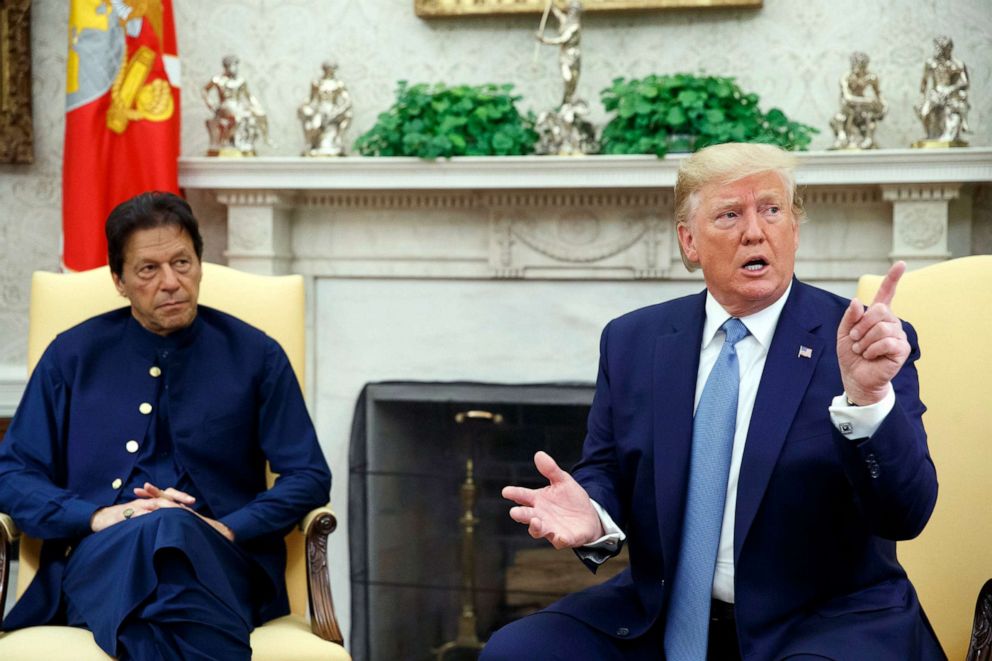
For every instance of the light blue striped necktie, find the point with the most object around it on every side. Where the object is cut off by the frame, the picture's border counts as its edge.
(687, 625)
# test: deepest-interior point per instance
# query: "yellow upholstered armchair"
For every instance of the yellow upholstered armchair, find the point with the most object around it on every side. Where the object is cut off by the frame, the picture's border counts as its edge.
(273, 304)
(950, 305)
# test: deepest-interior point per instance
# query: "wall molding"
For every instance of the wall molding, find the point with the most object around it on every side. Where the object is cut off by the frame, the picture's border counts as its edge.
(816, 168)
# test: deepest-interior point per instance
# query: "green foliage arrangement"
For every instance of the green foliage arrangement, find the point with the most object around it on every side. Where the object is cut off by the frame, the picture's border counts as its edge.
(683, 112)
(431, 121)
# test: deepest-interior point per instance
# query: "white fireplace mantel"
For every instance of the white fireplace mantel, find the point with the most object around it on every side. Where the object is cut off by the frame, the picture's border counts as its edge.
(558, 217)
(823, 168)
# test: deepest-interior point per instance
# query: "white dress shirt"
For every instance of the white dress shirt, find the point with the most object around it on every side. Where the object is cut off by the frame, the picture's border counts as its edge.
(860, 422)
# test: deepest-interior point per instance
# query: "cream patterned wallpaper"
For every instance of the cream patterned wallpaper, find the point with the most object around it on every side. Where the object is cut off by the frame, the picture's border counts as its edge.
(791, 52)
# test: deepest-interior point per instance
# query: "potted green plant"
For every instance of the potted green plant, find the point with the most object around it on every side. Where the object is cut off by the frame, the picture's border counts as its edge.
(684, 112)
(431, 121)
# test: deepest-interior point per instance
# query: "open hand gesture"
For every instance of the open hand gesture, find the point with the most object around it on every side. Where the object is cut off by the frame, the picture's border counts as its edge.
(871, 344)
(561, 512)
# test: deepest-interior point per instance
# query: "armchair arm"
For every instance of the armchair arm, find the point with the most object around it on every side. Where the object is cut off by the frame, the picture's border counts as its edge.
(316, 527)
(8, 533)
(981, 633)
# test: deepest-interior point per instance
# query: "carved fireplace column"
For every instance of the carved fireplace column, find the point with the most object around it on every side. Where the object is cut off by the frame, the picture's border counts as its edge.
(258, 230)
(919, 221)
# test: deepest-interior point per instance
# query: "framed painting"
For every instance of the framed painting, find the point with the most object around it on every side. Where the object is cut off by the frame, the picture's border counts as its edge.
(439, 8)
(16, 132)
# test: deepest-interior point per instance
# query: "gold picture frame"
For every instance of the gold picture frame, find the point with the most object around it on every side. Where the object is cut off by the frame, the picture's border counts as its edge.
(445, 8)
(16, 129)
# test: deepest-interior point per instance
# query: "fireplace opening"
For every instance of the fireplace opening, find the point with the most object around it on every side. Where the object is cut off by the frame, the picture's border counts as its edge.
(435, 557)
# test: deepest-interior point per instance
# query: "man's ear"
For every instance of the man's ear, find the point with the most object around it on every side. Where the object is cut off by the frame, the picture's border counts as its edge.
(688, 243)
(119, 284)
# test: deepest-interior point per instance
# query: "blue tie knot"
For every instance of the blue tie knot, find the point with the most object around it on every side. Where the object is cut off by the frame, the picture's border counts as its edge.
(735, 330)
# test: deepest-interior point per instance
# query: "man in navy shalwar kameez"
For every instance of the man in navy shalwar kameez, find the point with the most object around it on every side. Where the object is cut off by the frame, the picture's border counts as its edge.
(138, 455)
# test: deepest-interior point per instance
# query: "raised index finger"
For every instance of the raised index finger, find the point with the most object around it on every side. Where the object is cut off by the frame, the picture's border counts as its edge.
(887, 290)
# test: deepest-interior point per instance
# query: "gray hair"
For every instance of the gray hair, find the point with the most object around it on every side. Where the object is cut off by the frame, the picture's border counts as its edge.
(724, 164)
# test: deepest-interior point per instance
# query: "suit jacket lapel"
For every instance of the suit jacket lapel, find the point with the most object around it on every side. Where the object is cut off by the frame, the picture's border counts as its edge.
(676, 362)
(782, 387)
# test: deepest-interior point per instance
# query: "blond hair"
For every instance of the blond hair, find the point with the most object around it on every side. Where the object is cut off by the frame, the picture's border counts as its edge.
(725, 164)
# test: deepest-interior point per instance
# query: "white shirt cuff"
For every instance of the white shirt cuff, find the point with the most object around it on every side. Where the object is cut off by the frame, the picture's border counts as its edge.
(860, 421)
(600, 550)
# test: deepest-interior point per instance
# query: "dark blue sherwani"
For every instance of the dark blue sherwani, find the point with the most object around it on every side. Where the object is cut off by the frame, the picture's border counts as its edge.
(111, 405)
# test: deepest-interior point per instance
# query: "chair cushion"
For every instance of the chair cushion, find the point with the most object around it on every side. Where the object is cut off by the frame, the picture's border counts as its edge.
(283, 639)
(289, 639)
(53, 643)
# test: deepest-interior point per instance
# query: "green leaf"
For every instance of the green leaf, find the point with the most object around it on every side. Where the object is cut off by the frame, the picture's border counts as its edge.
(675, 117)
(776, 117)
(628, 107)
(723, 89)
(502, 143)
(714, 116)
(689, 98)
(642, 106)
(647, 90)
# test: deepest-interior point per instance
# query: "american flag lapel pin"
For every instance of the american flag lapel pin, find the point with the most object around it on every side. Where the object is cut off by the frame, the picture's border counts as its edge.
(805, 352)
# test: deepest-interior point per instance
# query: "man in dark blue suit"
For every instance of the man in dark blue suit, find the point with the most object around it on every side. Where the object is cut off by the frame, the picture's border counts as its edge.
(138, 454)
(759, 447)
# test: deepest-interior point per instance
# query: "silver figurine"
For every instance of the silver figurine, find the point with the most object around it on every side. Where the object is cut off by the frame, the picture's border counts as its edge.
(237, 120)
(568, 39)
(565, 131)
(326, 115)
(861, 107)
(943, 107)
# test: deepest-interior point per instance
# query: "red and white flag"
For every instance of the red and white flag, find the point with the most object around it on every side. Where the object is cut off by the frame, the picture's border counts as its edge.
(121, 119)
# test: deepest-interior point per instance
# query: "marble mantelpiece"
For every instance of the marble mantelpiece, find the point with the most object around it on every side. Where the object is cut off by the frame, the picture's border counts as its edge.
(603, 217)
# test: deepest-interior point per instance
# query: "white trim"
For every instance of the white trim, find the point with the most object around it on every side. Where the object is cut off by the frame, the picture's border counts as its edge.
(972, 164)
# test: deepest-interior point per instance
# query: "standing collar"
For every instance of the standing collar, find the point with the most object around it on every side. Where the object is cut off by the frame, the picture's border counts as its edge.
(761, 325)
(148, 343)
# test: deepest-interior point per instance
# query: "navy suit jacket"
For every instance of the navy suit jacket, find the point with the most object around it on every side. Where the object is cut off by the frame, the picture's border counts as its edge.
(234, 404)
(818, 514)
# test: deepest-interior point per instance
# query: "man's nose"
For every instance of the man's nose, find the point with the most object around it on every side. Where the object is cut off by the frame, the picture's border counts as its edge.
(170, 282)
(752, 230)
